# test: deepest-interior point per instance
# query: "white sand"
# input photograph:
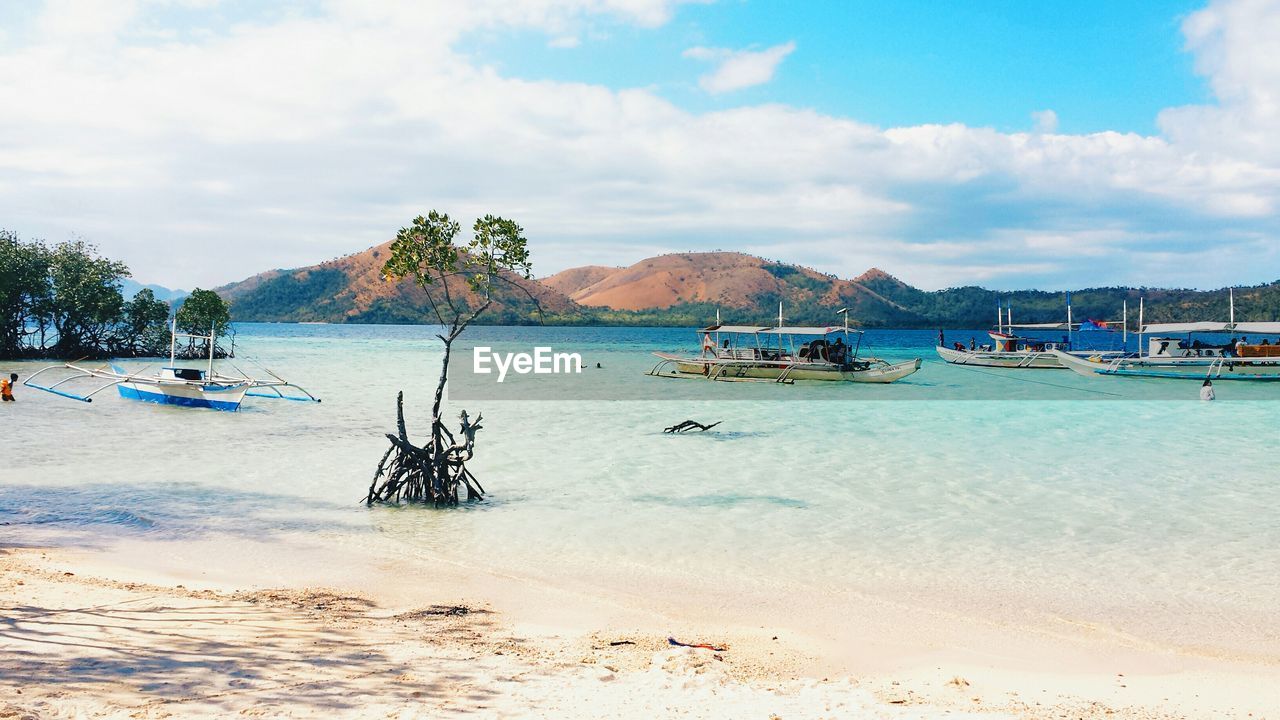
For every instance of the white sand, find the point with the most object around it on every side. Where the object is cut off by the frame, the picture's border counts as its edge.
(134, 634)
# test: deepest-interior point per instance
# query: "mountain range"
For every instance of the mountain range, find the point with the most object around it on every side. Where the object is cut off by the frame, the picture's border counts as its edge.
(130, 287)
(688, 289)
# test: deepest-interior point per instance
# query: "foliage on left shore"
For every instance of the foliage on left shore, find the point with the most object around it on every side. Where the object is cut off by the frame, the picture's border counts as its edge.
(65, 301)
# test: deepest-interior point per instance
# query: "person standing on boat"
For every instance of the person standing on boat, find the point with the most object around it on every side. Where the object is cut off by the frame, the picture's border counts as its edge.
(6, 387)
(973, 344)
(1206, 390)
(942, 340)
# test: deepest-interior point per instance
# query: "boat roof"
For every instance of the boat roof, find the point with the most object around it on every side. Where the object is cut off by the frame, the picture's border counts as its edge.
(779, 330)
(1259, 328)
(735, 328)
(1044, 326)
(801, 330)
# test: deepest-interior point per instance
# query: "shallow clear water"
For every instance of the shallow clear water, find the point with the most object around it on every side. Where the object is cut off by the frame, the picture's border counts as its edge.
(1045, 496)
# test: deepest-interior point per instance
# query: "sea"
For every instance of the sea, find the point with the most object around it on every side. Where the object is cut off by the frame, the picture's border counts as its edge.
(1032, 496)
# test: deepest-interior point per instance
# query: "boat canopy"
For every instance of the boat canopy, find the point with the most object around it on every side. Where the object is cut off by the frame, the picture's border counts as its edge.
(1186, 327)
(1258, 328)
(780, 330)
(1043, 326)
(800, 330)
(749, 329)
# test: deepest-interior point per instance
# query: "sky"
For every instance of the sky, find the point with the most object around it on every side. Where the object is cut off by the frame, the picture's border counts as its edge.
(1053, 144)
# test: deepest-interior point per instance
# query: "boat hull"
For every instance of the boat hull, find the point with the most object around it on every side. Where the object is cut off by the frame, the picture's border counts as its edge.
(980, 358)
(213, 397)
(877, 373)
(1197, 369)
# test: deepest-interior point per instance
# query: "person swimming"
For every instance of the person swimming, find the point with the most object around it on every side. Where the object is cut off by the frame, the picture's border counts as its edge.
(6, 387)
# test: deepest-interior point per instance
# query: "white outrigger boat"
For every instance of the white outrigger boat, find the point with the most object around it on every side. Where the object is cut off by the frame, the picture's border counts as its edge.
(1172, 352)
(752, 353)
(172, 385)
(1010, 350)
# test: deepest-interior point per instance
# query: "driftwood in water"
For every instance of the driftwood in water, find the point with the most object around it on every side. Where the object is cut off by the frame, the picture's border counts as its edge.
(691, 425)
(432, 473)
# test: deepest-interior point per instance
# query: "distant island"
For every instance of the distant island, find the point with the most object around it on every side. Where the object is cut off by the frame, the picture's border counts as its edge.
(687, 289)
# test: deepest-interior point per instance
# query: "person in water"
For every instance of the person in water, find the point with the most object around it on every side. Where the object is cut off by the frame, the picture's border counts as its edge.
(6, 387)
(1206, 390)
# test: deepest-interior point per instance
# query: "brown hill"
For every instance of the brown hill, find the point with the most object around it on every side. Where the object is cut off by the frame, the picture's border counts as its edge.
(575, 279)
(876, 275)
(734, 281)
(725, 278)
(689, 288)
(352, 289)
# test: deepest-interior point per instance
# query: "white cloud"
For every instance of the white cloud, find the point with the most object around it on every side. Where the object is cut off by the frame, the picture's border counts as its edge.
(1046, 121)
(564, 41)
(200, 158)
(738, 69)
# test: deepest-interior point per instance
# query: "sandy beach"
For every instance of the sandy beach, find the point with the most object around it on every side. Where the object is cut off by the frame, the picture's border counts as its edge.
(640, 359)
(131, 634)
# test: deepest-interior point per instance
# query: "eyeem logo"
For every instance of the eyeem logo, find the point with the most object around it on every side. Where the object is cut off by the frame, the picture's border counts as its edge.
(541, 362)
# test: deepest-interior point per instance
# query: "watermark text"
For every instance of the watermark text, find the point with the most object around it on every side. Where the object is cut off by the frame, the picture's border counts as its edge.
(542, 361)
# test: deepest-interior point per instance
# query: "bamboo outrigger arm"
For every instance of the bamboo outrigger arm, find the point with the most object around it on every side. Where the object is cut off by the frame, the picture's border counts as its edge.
(281, 396)
(79, 373)
(275, 386)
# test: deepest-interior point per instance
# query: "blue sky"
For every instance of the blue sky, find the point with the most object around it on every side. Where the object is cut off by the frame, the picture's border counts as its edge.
(1100, 65)
(1008, 144)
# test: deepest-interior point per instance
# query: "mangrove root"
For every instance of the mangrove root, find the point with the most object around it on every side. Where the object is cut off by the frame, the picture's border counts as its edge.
(432, 473)
(691, 425)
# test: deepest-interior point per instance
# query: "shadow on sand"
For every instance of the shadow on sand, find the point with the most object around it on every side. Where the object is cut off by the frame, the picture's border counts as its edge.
(304, 652)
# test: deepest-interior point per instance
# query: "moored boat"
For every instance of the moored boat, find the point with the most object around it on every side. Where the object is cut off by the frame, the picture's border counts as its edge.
(1177, 359)
(782, 354)
(172, 385)
(1011, 350)
(1175, 351)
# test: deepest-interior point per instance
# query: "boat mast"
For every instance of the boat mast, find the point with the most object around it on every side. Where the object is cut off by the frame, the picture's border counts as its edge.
(213, 326)
(1141, 304)
(1231, 293)
(173, 341)
(845, 313)
(779, 326)
(1068, 317)
(1124, 321)
(715, 351)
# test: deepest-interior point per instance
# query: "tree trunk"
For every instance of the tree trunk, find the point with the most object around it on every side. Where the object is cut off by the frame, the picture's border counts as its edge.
(434, 472)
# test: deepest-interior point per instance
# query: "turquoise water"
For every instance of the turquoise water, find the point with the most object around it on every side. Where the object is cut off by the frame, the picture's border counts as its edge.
(1045, 496)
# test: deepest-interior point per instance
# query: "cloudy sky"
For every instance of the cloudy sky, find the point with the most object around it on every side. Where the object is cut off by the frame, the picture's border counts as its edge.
(1006, 143)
